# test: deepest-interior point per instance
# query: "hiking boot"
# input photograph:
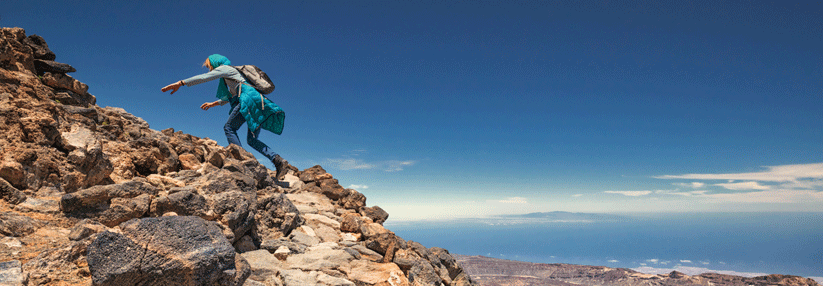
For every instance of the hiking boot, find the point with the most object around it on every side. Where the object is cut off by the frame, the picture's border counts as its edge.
(280, 165)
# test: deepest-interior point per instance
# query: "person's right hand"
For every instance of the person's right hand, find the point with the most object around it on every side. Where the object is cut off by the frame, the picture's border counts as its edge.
(207, 105)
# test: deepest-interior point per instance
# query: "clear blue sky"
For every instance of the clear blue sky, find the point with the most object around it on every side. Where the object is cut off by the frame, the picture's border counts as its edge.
(438, 109)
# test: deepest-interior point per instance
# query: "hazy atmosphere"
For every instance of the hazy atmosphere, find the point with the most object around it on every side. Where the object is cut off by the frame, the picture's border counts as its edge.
(455, 109)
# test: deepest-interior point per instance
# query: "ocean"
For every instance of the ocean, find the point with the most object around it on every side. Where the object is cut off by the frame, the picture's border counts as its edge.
(746, 244)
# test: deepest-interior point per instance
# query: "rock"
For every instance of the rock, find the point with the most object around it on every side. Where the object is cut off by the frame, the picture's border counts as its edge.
(189, 162)
(332, 189)
(304, 239)
(422, 273)
(63, 81)
(263, 264)
(354, 200)
(319, 259)
(327, 234)
(87, 154)
(14, 54)
(11, 242)
(11, 273)
(11, 194)
(317, 278)
(13, 224)
(177, 250)
(225, 181)
(370, 230)
(311, 174)
(376, 213)
(367, 254)
(69, 98)
(123, 209)
(44, 66)
(40, 48)
(245, 244)
(385, 244)
(50, 205)
(93, 197)
(237, 211)
(13, 173)
(371, 273)
(276, 216)
(216, 159)
(85, 228)
(282, 253)
(88, 112)
(317, 219)
(238, 153)
(351, 223)
(272, 245)
(183, 202)
(447, 260)
(308, 202)
(164, 182)
(291, 182)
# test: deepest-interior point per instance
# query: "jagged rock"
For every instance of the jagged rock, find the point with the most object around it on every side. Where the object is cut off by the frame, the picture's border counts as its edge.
(88, 112)
(314, 173)
(351, 222)
(238, 153)
(376, 213)
(189, 162)
(57, 261)
(385, 244)
(370, 230)
(371, 273)
(63, 81)
(10, 193)
(332, 189)
(11, 273)
(13, 173)
(14, 54)
(216, 159)
(272, 245)
(40, 48)
(367, 254)
(224, 181)
(123, 209)
(13, 224)
(421, 273)
(177, 250)
(70, 98)
(317, 219)
(303, 238)
(308, 202)
(353, 200)
(93, 197)
(245, 244)
(276, 216)
(183, 202)
(237, 211)
(283, 252)
(85, 228)
(446, 260)
(44, 66)
(87, 154)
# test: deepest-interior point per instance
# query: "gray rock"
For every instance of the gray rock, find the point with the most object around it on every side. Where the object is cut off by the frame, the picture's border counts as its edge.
(422, 273)
(245, 244)
(276, 216)
(271, 245)
(11, 273)
(263, 264)
(39, 47)
(183, 202)
(11, 194)
(304, 239)
(51, 66)
(447, 260)
(123, 209)
(224, 181)
(237, 210)
(175, 250)
(376, 213)
(368, 254)
(88, 112)
(13, 224)
(319, 259)
(93, 197)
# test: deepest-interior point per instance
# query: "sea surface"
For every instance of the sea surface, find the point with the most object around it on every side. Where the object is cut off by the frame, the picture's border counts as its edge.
(746, 244)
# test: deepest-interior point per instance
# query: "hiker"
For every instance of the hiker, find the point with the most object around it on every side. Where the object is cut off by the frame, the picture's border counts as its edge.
(247, 106)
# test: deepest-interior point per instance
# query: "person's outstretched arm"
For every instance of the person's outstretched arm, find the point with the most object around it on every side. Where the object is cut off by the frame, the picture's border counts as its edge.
(173, 87)
(207, 105)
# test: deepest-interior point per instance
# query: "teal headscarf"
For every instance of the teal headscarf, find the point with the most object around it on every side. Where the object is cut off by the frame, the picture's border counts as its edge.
(222, 90)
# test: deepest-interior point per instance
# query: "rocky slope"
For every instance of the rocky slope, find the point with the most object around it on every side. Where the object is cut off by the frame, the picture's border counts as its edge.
(488, 271)
(92, 195)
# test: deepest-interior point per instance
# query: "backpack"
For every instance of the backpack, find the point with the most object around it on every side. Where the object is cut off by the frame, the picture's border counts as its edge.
(257, 78)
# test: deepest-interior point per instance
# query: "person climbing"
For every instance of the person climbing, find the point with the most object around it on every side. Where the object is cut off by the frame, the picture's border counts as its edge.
(247, 106)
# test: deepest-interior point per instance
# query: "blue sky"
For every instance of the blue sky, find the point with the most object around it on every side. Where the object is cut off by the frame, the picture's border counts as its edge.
(440, 109)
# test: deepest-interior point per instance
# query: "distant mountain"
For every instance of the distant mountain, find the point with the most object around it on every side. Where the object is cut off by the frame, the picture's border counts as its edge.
(488, 271)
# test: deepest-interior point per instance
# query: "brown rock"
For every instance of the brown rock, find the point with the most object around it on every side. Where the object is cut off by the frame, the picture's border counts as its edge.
(311, 174)
(63, 81)
(351, 223)
(39, 48)
(354, 200)
(14, 54)
(377, 214)
(189, 162)
(364, 272)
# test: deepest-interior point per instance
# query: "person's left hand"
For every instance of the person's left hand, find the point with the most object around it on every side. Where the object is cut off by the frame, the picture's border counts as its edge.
(173, 87)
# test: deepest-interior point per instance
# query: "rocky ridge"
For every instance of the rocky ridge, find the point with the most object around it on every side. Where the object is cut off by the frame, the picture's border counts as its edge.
(92, 195)
(488, 271)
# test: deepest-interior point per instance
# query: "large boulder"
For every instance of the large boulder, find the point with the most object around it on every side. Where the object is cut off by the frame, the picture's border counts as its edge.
(236, 210)
(63, 81)
(40, 48)
(377, 214)
(174, 250)
(98, 197)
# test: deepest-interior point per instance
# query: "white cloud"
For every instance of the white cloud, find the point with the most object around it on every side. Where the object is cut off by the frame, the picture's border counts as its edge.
(577, 195)
(614, 261)
(743, 186)
(357, 164)
(783, 173)
(655, 260)
(770, 196)
(693, 185)
(630, 193)
(348, 164)
(689, 270)
(685, 261)
(687, 194)
(513, 200)
(357, 187)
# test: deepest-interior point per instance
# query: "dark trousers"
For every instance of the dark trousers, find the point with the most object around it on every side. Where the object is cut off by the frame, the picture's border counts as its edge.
(235, 121)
